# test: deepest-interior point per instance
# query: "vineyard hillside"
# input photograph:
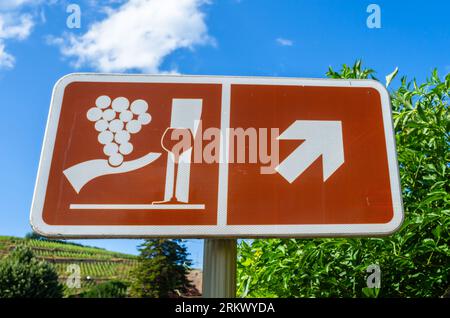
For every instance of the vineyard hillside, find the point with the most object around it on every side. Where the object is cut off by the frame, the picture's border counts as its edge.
(95, 265)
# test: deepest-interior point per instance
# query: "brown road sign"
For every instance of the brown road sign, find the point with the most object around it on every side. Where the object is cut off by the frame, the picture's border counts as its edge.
(200, 156)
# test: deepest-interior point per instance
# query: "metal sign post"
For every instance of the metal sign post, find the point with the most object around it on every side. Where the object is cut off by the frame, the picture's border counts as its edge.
(219, 268)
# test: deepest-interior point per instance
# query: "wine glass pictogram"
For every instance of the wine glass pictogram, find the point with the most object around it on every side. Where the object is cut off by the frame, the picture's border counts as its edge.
(169, 141)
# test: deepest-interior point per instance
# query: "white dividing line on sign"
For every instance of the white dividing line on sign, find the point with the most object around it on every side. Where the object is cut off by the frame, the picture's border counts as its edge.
(137, 206)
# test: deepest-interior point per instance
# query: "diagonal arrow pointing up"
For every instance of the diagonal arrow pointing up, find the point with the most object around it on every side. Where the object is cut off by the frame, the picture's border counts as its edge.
(322, 138)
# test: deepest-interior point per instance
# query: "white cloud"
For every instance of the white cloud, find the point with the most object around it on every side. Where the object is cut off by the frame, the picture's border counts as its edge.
(6, 59)
(284, 42)
(13, 4)
(12, 26)
(138, 35)
(16, 23)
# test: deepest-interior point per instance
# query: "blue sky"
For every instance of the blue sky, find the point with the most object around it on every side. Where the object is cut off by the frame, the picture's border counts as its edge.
(227, 37)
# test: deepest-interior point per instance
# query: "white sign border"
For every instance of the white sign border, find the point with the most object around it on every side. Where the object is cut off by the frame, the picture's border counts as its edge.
(221, 229)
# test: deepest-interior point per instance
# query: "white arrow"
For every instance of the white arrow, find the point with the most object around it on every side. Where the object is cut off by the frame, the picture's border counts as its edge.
(322, 138)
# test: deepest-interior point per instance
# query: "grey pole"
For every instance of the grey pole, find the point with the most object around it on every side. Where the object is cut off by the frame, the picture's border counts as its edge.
(219, 268)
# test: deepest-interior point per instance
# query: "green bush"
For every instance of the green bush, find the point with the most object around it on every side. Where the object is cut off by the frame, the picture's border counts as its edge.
(22, 275)
(111, 289)
(415, 261)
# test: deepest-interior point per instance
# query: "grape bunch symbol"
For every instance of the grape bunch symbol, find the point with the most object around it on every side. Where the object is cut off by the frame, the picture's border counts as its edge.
(116, 120)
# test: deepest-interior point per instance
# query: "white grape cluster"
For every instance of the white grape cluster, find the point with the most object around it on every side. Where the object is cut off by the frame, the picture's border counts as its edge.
(115, 121)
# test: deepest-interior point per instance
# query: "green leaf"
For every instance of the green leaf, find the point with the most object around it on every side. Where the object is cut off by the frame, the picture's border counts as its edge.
(391, 76)
(371, 292)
